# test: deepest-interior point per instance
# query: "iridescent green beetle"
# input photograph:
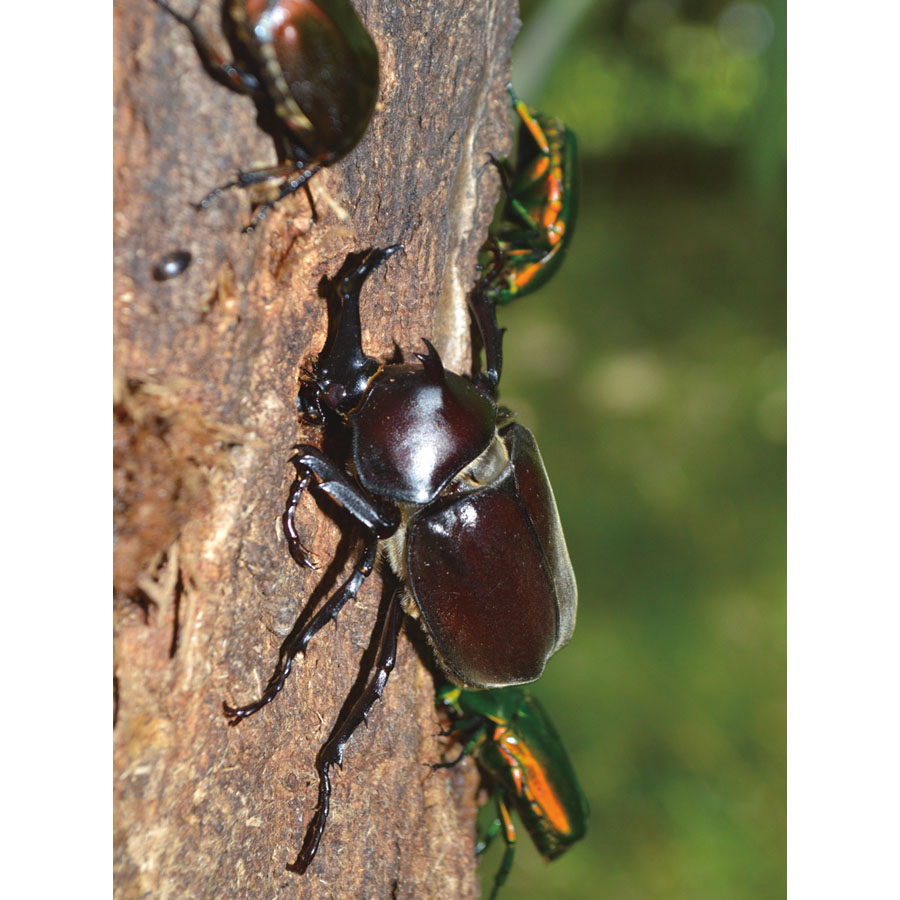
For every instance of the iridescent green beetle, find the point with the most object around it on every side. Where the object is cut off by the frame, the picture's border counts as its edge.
(538, 215)
(524, 763)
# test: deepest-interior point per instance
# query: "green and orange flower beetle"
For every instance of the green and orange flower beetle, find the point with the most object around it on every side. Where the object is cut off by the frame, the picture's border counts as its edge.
(523, 763)
(534, 229)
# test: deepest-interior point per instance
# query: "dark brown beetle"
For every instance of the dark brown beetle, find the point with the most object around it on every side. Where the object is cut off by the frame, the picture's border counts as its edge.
(454, 496)
(313, 69)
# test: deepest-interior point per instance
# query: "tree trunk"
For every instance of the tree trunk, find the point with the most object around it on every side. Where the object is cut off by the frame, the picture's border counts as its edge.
(206, 378)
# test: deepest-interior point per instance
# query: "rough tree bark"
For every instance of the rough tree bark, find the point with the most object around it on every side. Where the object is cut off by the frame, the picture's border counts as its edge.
(206, 376)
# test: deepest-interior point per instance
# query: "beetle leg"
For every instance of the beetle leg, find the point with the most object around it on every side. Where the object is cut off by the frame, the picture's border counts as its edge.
(529, 121)
(312, 203)
(299, 638)
(245, 179)
(462, 727)
(298, 551)
(381, 523)
(517, 207)
(486, 837)
(333, 751)
(226, 73)
(503, 823)
(502, 167)
(292, 185)
(258, 176)
(484, 311)
(514, 205)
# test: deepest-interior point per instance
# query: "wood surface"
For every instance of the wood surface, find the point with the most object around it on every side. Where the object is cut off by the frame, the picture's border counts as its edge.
(206, 371)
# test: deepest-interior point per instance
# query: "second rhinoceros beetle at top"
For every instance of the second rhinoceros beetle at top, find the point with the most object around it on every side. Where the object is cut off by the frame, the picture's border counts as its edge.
(312, 68)
(454, 496)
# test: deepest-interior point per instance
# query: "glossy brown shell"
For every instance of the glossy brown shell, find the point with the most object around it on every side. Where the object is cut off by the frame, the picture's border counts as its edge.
(491, 576)
(324, 61)
(413, 434)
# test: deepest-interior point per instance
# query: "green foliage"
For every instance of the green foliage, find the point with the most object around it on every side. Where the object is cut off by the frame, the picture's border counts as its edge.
(650, 70)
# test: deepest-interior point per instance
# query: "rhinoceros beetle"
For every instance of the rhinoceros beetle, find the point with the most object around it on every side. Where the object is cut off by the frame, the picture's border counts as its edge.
(313, 70)
(454, 497)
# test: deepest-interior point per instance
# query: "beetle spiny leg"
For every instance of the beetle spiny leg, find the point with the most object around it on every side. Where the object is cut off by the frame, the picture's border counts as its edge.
(292, 185)
(448, 763)
(258, 176)
(312, 202)
(474, 728)
(484, 311)
(495, 250)
(187, 21)
(298, 551)
(381, 522)
(332, 753)
(503, 172)
(226, 73)
(299, 638)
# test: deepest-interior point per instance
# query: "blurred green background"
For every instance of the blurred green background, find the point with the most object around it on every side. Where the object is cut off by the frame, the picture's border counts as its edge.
(652, 370)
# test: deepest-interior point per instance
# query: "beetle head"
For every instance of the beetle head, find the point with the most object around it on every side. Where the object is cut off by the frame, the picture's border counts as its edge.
(343, 371)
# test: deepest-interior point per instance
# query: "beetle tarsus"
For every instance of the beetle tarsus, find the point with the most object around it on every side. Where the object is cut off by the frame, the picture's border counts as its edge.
(316, 828)
(252, 177)
(289, 187)
(300, 554)
(332, 753)
(449, 763)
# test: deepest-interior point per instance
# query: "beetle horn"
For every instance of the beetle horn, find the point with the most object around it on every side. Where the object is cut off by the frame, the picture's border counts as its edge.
(432, 362)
